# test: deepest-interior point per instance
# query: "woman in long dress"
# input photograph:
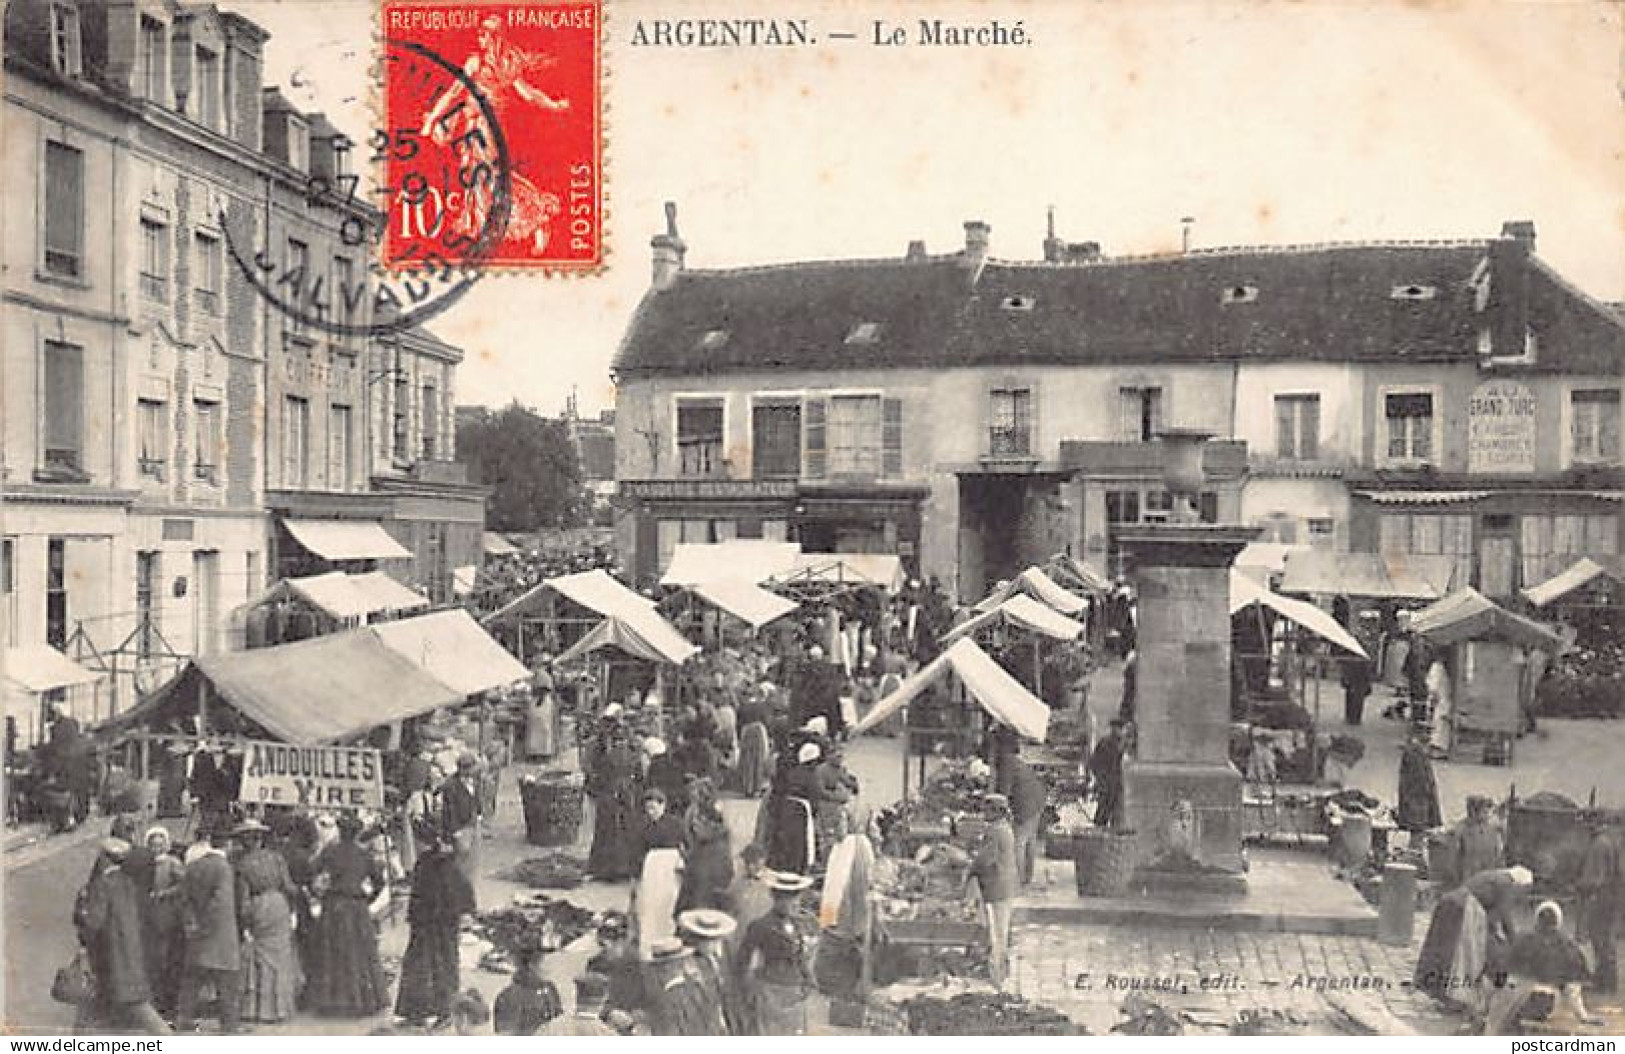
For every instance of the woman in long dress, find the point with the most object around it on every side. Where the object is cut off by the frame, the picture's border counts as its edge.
(660, 875)
(1442, 706)
(613, 784)
(755, 750)
(271, 977)
(708, 867)
(348, 981)
(441, 896)
(165, 939)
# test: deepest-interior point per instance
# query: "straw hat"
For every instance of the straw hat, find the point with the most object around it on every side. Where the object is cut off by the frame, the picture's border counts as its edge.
(808, 752)
(707, 922)
(250, 826)
(787, 882)
(116, 848)
(654, 746)
(668, 948)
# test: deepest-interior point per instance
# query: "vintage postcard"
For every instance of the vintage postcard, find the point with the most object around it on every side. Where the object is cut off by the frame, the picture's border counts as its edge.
(832, 518)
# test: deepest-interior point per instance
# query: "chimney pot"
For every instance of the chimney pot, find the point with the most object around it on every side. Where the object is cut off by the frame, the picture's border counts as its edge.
(976, 239)
(668, 251)
(916, 252)
(1520, 231)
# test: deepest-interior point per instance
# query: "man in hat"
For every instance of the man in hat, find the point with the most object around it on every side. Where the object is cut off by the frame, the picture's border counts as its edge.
(772, 964)
(460, 804)
(1106, 769)
(109, 917)
(617, 963)
(530, 1002)
(213, 951)
(588, 1017)
(998, 875)
(1601, 884)
(680, 1004)
(707, 931)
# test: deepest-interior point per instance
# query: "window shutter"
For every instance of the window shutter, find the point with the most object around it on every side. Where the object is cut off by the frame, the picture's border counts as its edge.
(891, 438)
(1283, 428)
(1310, 424)
(1128, 415)
(817, 453)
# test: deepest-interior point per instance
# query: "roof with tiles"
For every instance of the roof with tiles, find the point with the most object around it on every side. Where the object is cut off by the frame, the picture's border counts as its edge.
(1373, 302)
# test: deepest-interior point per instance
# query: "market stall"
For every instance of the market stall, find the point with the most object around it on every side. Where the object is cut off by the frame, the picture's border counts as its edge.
(324, 603)
(1034, 583)
(1487, 650)
(737, 560)
(1022, 616)
(34, 676)
(823, 576)
(1587, 600)
(1376, 576)
(557, 612)
(715, 604)
(644, 638)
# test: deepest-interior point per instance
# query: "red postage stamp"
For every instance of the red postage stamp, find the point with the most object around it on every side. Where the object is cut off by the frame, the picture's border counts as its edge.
(492, 146)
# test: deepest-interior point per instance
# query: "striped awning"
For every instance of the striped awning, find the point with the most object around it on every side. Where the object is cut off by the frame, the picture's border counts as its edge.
(1423, 497)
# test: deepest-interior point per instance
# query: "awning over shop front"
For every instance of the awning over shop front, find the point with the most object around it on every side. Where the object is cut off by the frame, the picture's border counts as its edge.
(1396, 576)
(1423, 497)
(1021, 610)
(642, 634)
(594, 590)
(1468, 614)
(314, 691)
(1001, 695)
(740, 560)
(1244, 592)
(496, 545)
(1584, 572)
(346, 597)
(346, 540)
(463, 579)
(1036, 584)
(452, 648)
(745, 601)
(36, 668)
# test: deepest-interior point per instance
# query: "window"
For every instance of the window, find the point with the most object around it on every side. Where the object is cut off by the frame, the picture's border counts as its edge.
(699, 437)
(1322, 532)
(1239, 294)
(1140, 413)
(1018, 303)
(855, 435)
(151, 69)
(206, 423)
(345, 294)
(1297, 427)
(1595, 425)
(7, 580)
(298, 261)
(65, 39)
(430, 421)
(1410, 425)
(1010, 434)
(56, 593)
(776, 440)
(154, 260)
(64, 406)
(64, 210)
(340, 441)
(298, 144)
(208, 87)
(402, 421)
(206, 268)
(1431, 534)
(295, 442)
(149, 418)
(1413, 292)
(1550, 545)
(146, 612)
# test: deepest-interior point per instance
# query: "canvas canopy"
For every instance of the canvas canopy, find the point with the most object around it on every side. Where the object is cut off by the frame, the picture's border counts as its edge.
(879, 570)
(496, 545)
(1074, 573)
(1021, 610)
(32, 669)
(741, 559)
(463, 579)
(345, 596)
(1038, 585)
(1001, 695)
(1244, 592)
(643, 634)
(1269, 557)
(1581, 574)
(1400, 577)
(1468, 614)
(745, 601)
(314, 691)
(594, 590)
(346, 540)
(454, 650)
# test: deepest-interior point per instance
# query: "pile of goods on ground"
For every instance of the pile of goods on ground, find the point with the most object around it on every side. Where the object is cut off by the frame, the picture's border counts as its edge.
(985, 1014)
(1585, 682)
(549, 871)
(951, 797)
(536, 923)
(930, 886)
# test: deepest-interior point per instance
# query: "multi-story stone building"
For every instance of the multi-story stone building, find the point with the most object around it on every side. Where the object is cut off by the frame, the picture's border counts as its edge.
(154, 400)
(976, 415)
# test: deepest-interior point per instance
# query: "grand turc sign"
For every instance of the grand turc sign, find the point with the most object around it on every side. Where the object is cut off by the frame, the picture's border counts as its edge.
(1501, 428)
(315, 777)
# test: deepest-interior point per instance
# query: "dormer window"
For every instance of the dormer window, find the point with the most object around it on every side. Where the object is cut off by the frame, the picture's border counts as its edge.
(152, 61)
(208, 88)
(712, 339)
(1018, 303)
(65, 39)
(864, 333)
(1239, 294)
(1413, 292)
(298, 143)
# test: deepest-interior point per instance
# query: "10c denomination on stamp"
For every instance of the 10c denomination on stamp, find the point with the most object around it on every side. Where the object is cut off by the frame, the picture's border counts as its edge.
(532, 74)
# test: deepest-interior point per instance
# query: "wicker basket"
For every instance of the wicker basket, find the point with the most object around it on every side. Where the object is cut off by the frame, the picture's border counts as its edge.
(1105, 862)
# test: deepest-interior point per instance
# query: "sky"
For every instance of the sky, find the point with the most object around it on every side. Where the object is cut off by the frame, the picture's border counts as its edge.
(1268, 123)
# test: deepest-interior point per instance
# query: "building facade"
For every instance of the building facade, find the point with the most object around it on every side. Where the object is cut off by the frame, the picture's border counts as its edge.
(152, 396)
(976, 415)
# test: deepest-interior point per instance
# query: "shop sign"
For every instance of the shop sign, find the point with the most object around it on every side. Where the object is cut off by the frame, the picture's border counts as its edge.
(315, 777)
(708, 489)
(1501, 428)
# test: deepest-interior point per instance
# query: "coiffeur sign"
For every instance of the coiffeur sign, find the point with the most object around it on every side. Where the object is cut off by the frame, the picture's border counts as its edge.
(317, 777)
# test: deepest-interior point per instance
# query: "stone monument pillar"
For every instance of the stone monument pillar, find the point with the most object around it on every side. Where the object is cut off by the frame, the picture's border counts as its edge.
(1183, 795)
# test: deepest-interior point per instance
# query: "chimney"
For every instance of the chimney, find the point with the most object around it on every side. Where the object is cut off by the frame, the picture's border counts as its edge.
(976, 236)
(1053, 246)
(669, 250)
(915, 253)
(1520, 231)
(1080, 252)
(245, 71)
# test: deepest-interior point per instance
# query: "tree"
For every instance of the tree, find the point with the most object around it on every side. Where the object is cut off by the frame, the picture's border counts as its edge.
(530, 465)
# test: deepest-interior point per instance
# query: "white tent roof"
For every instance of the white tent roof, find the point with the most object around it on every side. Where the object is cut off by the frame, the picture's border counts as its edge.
(594, 590)
(346, 596)
(36, 668)
(1244, 592)
(1406, 576)
(452, 648)
(643, 634)
(861, 569)
(496, 545)
(1269, 556)
(999, 694)
(745, 601)
(1036, 584)
(1562, 584)
(346, 540)
(740, 560)
(386, 594)
(463, 579)
(1025, 612)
